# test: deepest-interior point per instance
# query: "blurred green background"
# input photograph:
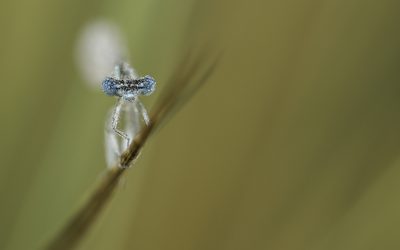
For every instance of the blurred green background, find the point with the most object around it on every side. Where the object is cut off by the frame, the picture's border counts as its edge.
(293, 143)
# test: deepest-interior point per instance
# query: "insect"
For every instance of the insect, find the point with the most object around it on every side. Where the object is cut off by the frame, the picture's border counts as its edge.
(129, 114)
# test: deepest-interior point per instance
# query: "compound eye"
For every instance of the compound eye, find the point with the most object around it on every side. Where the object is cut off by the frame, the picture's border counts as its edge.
(147, 85)
(109, 86)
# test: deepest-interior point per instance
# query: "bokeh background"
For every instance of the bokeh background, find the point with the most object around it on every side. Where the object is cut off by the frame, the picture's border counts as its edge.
(293, 143)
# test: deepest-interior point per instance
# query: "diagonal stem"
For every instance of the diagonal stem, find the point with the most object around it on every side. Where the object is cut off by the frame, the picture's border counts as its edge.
(84, 218)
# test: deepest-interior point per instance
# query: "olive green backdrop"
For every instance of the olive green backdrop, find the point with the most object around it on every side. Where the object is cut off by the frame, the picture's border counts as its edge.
(293, 143)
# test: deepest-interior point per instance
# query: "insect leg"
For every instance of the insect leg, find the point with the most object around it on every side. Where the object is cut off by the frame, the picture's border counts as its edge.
(143, 112)
(115, 120)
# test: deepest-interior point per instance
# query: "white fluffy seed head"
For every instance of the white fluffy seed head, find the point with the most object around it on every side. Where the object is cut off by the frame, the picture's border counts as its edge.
(100, 46)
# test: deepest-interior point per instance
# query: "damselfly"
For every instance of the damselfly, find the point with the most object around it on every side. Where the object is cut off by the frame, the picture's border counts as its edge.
(129, 115)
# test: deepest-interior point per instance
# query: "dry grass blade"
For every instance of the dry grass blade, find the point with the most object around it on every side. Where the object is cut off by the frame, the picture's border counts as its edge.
(181, 86)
